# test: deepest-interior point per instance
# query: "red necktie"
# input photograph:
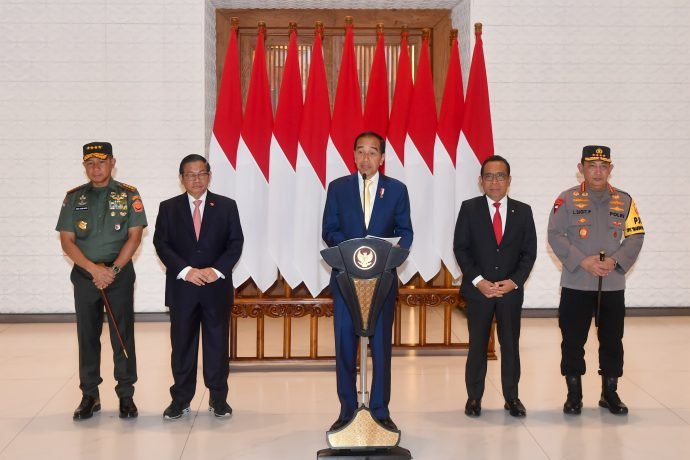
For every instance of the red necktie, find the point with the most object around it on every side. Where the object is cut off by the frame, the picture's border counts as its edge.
(498, 224)
(196, 217)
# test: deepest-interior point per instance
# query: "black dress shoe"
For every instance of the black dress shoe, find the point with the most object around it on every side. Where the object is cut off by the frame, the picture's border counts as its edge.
(338, 424)
(127, 408)
(175, 410)
(388, 423)
(87, 406)
(220, 408)
(473, 407)
(516, 408)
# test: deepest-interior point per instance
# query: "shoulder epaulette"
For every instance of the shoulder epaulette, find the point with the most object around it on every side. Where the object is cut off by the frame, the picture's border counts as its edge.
(75, 189)
(131, 188)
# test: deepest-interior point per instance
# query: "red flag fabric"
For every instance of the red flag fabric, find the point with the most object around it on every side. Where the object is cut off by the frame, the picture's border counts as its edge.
(289, 111)
(452, 106)
(397, 127)
(477, 120)
(316, 122)
(228, 121)
(376, 105)
(422, 122)
(347, 110)
(258, 126)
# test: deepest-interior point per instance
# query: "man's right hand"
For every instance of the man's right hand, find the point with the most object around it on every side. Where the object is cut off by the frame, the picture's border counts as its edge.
(196, 276)
(489, 289)
(596, 267)
(102, 276)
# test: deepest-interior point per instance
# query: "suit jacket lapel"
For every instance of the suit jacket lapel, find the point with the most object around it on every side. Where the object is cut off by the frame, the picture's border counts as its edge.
(209, 216)
(357, 197)
(383, 181)
(510, 219)
(186, 215)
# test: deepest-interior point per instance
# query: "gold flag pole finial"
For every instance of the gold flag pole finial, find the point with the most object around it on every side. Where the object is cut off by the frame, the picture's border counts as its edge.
(478, 28)
(348, 22)
(404, 32)
(453, 36)
(318, 28)
(262, 28)
(379, 28)
(292, 29)
(234, 23)
(426, 33)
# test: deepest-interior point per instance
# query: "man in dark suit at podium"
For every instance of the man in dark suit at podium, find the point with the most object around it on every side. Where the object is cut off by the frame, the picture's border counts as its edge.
(199, 239)
(365, 203)
(495, 245)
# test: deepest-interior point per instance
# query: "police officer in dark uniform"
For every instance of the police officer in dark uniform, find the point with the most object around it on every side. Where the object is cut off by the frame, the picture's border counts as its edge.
(587, 220)
(100, 225)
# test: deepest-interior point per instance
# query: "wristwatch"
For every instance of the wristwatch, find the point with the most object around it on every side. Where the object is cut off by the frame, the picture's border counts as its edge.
(115, 269)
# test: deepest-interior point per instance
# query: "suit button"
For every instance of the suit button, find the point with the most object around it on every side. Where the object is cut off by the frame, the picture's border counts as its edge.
(498, 250)
(495, 268)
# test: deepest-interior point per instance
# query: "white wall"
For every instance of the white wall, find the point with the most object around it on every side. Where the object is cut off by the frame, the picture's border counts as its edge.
(136, 73)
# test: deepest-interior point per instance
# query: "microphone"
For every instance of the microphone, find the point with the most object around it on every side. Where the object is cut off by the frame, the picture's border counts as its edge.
(364, 176)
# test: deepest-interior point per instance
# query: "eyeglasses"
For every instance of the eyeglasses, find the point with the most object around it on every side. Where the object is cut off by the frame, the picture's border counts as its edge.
(191, 176)
(489, 177)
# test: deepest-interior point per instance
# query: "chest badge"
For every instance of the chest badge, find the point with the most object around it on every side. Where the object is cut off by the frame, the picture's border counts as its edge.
(584, 232)
(82, 225)
(82, 200)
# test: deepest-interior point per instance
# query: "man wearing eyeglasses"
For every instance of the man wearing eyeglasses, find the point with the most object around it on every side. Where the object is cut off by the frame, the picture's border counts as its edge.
(199, 239)
(495, 245)
(596, 232)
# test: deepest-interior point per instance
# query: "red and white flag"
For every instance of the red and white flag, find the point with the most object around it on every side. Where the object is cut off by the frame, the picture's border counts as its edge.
(449, 124)
(281, 194)
(347, 120)
(376, 105)
(252, 181)
(227, 124)
(419, 169)
(310, 196)
(476, 139)
(397, 126)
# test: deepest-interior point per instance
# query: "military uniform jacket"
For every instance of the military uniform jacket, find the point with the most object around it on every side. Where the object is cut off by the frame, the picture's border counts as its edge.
(583, 223)
(101, 217)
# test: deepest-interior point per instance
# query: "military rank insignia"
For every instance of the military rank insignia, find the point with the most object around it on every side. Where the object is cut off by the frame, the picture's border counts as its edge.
(559, 202)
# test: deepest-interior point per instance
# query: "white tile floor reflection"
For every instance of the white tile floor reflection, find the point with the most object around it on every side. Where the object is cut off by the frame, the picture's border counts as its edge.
(283, 414)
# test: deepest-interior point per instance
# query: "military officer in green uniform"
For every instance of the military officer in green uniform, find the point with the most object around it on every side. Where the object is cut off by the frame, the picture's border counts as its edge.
(100, 225)
(596, 232)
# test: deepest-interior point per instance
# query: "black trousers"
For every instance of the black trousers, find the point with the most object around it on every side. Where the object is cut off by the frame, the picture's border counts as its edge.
(89, 308)
(575, 318)
(480, 313)
(185, 323)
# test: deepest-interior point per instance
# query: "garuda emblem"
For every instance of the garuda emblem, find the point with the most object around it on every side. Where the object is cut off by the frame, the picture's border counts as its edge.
(364, 258)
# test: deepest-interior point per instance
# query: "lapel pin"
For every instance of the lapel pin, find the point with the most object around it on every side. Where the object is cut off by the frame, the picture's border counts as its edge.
(381, 192)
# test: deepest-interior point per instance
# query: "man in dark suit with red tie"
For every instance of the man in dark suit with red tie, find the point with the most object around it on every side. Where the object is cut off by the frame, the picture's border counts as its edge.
(365, 203)
(199, 239)
(495, 245)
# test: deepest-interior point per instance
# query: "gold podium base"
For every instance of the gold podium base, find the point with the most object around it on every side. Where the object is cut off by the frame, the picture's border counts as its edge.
(363, 432)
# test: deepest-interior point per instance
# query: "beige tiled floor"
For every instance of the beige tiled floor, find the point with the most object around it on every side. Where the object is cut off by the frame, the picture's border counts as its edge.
(282, 413)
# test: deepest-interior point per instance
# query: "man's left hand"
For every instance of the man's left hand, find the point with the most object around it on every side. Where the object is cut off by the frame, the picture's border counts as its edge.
(210, 274)
(505, 286)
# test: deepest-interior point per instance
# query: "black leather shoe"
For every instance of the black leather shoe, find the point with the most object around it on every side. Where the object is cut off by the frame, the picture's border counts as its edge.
(220, 408)
(127, 408)
(516, 408)
(473, 407)
(87, 406)
(175, 410)
(389, 424)
(338, 424)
